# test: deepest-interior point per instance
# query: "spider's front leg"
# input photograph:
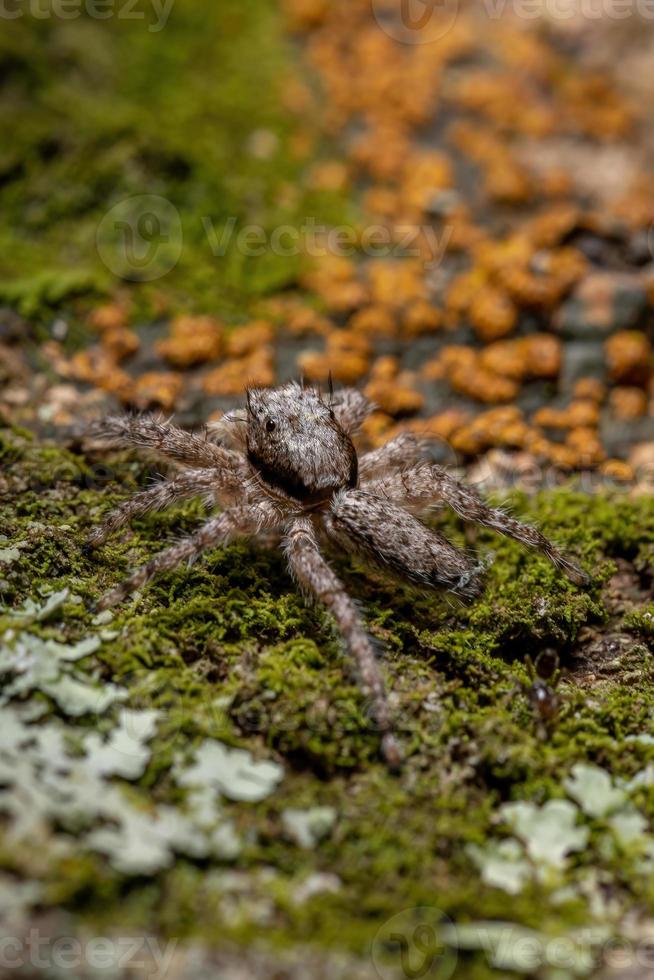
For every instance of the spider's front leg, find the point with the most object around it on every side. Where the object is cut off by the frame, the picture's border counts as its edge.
(315, 576)
(166, 440)
(427, 485)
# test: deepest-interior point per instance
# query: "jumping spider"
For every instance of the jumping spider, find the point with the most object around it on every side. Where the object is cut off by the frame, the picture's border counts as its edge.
(287, 463)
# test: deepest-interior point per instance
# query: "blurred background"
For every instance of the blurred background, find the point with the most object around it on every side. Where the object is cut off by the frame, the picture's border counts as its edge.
(446, 203)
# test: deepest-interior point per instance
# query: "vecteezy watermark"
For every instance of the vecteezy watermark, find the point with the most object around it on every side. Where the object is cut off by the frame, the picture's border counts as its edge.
(563, 10)
(416, 21)
(410, 945)
(141, 238)
(425, 21)
(317, 241)
(143, 956)
(155, 12)
(422, 943)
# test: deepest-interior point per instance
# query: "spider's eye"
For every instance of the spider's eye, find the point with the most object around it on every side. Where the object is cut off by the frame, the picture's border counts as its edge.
(270, 425)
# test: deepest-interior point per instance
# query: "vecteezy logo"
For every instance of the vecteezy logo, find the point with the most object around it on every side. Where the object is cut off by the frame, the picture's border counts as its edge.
(415, 21)
(140, 238)
(410, 945)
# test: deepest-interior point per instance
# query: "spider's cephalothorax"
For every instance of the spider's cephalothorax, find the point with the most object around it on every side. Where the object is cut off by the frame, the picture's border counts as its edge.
(295, 442)
(288, 465)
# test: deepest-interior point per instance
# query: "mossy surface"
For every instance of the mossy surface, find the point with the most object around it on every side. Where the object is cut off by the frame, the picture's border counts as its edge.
(228, 650)
(100, 111)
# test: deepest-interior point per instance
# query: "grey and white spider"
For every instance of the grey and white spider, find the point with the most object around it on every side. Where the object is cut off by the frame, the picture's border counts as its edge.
(288, 464)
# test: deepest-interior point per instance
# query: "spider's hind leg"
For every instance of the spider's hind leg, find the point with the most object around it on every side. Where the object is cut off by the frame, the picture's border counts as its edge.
(316, 577)
(191, 483)
(236, 521)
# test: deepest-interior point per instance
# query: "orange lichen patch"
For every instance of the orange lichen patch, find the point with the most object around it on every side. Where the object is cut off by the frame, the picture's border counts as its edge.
(157, 389)
(120, 342)
(537, 279)
(585, 441)
(98, 367)
(505, 179)
(486, 430)
(256, 370)
(396, 282)
(542, 355)
(381, 201)
(330, 175)
(109, 316)
(304, 320)
(617, 469)
(395, 397)
(303, 15)
(193, 340)
(328, 269)
(636, 207)
(629, 357)
(590, 106)
(555, 182)
(454, 356)
(346, 358)
(505, 357)
(492, 255)
(550, 227)
(383, 151)
(347, 369)
(579, 414)
(374, 321)
(537, 356)
(440, 426)
(492, 314)
(562, 456)
(421, 317)
(345, 296)
(349, 342)
(385, 368)
(516, 435)
(565, 266)
(249, 338)
(583, 413)
(461, 233)
(425, 173)
(461, 292)
(482, 385)
(628, 402)
(530, 289)
(376, 429)
(589, 389)
(433, 369)
(507, 182)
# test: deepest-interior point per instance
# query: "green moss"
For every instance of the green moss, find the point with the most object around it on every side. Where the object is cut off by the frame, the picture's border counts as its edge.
(227, 649)
(113, 109)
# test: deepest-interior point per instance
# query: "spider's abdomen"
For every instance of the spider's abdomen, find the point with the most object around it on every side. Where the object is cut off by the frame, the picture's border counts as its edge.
(394, 538)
